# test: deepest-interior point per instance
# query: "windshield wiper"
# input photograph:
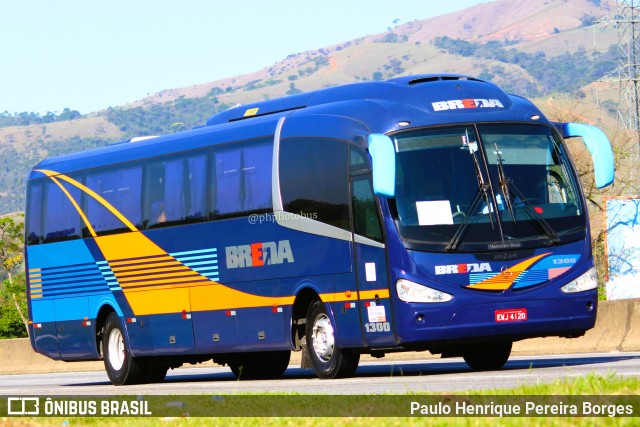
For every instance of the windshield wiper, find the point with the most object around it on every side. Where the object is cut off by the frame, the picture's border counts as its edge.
(504, 183)
(508, 186)
(482, 193)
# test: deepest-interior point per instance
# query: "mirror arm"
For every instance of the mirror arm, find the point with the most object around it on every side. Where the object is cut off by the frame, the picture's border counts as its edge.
(598, 145)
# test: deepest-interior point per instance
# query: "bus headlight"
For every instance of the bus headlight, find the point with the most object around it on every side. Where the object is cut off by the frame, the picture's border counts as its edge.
(586, 282)
(409, 291)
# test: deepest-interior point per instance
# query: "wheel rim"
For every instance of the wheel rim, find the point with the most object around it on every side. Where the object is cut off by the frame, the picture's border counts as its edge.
(116, 349)
(322, 338)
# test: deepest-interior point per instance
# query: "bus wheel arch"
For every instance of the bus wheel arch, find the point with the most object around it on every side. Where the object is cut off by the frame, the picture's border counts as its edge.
(303, 301)
(122, 368)
(100, 321)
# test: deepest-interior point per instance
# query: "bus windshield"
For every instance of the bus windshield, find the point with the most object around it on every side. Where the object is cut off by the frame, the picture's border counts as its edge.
(485, 187)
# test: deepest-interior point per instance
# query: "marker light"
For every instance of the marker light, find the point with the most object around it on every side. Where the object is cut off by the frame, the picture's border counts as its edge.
(586, 282)
(412, 292)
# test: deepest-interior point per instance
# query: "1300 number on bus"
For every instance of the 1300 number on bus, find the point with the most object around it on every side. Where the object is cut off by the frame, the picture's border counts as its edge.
(378, 327)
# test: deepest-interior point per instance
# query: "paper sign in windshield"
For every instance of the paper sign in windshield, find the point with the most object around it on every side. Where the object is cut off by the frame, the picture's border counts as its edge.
(435, 212)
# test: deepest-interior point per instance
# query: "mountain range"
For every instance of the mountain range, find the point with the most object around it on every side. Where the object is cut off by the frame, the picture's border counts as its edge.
(553, 51)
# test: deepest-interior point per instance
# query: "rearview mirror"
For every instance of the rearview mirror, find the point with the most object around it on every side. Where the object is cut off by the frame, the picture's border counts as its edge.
(598, 145)
(384, 164)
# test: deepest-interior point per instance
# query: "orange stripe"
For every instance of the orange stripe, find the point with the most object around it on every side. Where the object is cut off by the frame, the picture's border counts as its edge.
(125, 283)
(504, 280)
(353, 296)
(120, 263)
(147, 272)
(153, 288)
(142, 267)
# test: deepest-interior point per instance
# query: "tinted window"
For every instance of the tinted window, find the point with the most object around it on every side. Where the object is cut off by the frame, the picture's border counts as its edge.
(241, 178)
(366, 221)
(60, 218)
(313, 177)
(175, 190)
(358, 162)
(528, 187)
(121, 188)
(33, 230)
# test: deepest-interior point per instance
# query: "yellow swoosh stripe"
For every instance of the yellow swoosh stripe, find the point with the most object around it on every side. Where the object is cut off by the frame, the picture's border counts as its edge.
(154, 282)
(54, 175)
(504, 280)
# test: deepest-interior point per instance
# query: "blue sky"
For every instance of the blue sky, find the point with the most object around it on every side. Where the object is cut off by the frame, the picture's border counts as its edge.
(89, 55)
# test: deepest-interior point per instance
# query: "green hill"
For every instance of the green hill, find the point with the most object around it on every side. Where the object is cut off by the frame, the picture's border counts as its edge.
(534, 50)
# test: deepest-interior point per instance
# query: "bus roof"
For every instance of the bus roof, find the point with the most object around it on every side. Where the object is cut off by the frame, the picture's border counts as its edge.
(378, 106)
(401, 96)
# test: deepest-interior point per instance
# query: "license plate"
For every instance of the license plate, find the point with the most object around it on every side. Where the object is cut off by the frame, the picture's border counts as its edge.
(511, 315)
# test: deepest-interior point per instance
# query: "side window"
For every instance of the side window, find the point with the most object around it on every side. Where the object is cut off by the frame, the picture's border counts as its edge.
(314, 182)
(241, 178)
(358, 162)
(366, 220)
(175, 190)
(61, 220)
(33, 220)
(122, 189)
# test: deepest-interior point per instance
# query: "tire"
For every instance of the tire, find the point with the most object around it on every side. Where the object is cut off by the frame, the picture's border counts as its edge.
(327, 359)
(488, 357)
(122, 368)
(153, 373)
(260, 365)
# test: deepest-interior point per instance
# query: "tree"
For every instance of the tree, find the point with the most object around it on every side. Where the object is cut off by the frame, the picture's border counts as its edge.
(68, 114)
(624, 144)
(11, 244)
(178, 127)
(12, 292)
(13, 303)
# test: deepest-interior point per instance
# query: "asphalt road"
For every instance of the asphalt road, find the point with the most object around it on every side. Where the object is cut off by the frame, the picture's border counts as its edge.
(440, 375)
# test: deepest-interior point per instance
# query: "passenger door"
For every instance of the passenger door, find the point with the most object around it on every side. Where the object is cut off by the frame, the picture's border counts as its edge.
(369, 257)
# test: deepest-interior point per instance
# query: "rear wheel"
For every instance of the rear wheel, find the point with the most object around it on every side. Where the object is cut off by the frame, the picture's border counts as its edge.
(328, 361)
(153, 373)
(122, 368)
(487, 357)
(260, 365)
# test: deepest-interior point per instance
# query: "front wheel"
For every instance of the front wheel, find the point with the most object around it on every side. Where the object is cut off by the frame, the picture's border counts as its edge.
(327, 359)
(489, 356)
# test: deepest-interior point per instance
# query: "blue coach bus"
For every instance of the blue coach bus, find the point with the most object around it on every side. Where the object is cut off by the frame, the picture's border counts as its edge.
(431, 212)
